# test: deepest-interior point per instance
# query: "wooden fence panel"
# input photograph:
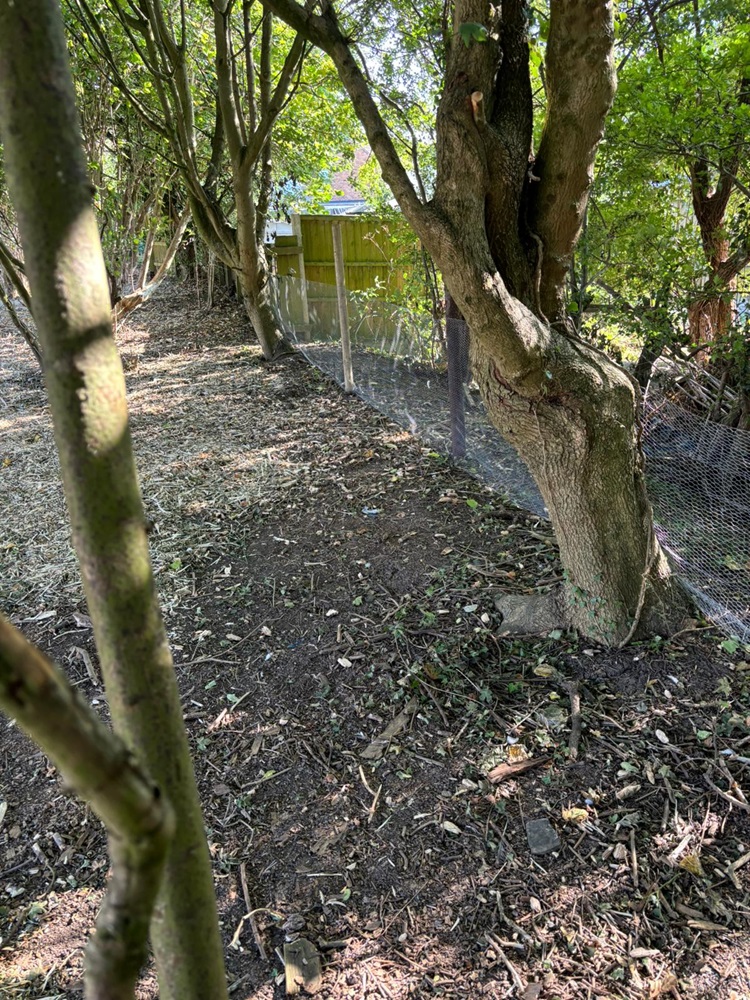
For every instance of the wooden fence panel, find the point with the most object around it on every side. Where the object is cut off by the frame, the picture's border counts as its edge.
(374, 252)
(370, 252)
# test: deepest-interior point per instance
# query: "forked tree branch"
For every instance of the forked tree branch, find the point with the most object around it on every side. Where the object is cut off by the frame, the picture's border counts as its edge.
(323, 31)
(98, 767)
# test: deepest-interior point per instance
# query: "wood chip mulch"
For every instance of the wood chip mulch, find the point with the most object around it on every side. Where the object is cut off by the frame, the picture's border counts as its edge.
(369, 746)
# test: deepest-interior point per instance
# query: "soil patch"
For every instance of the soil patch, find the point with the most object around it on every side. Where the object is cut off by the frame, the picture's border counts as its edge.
(322, 574)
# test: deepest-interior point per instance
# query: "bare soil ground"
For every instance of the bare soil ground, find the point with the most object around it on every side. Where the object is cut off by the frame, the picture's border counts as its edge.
(324, 578)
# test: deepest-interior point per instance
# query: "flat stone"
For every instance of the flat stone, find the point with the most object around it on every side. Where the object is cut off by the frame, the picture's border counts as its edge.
(542, 836)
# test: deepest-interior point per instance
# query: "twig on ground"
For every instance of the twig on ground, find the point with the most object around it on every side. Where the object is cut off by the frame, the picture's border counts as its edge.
(500, 952)
(575, 718)
(726, 796)
(250, 914)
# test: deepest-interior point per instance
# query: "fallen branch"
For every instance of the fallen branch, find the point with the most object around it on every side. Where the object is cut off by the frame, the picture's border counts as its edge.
(379, 746)
(504, 771)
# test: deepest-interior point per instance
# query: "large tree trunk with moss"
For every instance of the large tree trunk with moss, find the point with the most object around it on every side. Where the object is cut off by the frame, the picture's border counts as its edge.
(52, 197)
(502, 227)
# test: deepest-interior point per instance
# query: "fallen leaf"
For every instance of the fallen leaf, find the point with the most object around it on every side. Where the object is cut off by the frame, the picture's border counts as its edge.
(665, 984)
(575, 815)
(626, 792)
(691, 863)
(451, 828)
(544, 670)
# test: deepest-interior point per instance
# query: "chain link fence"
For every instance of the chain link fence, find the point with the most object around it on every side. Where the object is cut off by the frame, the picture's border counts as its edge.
(405, 366)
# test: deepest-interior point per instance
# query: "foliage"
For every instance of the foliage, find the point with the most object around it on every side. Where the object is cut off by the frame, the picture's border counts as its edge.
(679, 133)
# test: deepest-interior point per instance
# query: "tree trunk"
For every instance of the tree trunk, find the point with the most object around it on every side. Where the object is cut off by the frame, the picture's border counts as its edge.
(13, 269)
(96, 765)
(254, 280)
(710, 316)
(262, 313)
(580, 443)
(139, 295)
(502, 227)
(52, 198)
(28, 334)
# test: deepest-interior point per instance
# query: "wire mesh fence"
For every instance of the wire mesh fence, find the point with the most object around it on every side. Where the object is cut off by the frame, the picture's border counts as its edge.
(699, 483)
(698, 471)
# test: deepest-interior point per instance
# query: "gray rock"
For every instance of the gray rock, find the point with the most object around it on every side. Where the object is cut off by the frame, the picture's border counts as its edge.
(531, 614)
(542, 836)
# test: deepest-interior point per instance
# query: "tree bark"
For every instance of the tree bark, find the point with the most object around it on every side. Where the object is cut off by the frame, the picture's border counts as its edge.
(97, 766)
(711, 314)
(502, 227)
(137, 297)
(52, 197)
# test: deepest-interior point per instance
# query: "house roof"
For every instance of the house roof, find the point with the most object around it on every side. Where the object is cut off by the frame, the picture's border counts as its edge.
(344, 181)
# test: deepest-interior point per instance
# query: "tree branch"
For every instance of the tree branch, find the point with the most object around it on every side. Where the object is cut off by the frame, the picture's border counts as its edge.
(323, 31)
(272, 102)
(229, 109)
(97, 765)
(14, 268)
(580, 87)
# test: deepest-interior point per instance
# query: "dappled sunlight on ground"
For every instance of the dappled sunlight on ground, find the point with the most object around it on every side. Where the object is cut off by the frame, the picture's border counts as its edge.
(329, 588)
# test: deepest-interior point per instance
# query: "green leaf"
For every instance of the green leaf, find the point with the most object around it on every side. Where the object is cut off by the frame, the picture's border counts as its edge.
(470, 32)
(472, 503)
(731, 563)
(702, 734)
(730, 646)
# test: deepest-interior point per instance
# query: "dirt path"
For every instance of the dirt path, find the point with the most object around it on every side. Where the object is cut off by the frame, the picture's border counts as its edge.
(322, 574)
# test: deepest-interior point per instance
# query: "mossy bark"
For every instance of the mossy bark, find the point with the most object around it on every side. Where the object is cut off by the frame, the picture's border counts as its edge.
(51, 193)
